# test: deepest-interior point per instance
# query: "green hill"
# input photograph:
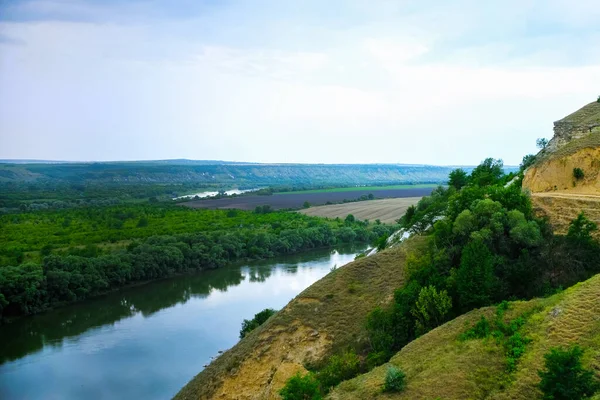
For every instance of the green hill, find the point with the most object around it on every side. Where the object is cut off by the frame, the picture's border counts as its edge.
(441, 365)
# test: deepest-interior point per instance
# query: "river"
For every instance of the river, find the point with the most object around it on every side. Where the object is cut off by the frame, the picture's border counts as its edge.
(148, 341)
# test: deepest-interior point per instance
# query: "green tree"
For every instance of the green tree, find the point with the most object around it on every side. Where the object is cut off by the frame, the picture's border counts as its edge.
(541, 143)
(487, 173)
(475, 277)
(527, 161)
(581, 228)
(300, 387)
(458, 178)
(564, 377)
(306, 204)
(350, 219)
(578, 173)
(431, 309)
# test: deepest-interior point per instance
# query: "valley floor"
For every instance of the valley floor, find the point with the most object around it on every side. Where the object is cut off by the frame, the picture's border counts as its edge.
(386, 210)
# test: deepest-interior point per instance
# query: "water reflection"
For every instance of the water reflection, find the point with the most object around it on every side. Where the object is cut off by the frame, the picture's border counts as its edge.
(53, 329)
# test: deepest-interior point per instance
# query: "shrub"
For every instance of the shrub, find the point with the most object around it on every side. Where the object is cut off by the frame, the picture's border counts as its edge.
(479, 331)
(394, 380)
(259, 319)
(300, 387)
(431, 308)
(578, 173)
(338, 369)
(564, 378)
(306, 204)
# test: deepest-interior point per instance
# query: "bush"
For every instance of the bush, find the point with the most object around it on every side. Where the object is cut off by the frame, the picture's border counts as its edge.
(259, 319)
(300, 387)
(578, 173)
(564, 378)
(338, 369)
(480, 330)
(431, 309)
(394, 380)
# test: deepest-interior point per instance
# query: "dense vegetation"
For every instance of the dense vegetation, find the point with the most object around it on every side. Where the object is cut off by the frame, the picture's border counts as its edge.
(483, 246)
(56, 257)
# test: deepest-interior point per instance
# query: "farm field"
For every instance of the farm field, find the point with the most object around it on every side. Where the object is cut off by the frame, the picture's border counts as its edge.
(296, 200)
(362, 188)
(386, 210)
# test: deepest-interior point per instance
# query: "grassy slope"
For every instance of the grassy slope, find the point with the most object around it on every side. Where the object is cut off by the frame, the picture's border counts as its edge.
(587, 115)
(438, 365)
(326, 317)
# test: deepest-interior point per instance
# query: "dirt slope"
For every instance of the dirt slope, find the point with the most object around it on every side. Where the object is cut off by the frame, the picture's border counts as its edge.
(563, 207)
(439, 365)
(326, 317)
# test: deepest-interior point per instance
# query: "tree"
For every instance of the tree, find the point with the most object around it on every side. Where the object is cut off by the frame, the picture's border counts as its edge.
(488, 172)
(300, 387)
(581, 228)
(306, 204)
(541, 143)
(458, 178)
(431, 309)
(395, 380)
(564, 378)
(578, 173)
(527, 161)
(350, 219)
(475, 277)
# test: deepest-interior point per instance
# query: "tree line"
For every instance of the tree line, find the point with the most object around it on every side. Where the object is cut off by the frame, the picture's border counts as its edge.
(219, 237)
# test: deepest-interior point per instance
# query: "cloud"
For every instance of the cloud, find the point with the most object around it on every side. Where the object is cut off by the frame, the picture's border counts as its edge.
(350, 81)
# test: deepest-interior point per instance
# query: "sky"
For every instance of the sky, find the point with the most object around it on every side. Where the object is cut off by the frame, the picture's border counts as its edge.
(312, 81)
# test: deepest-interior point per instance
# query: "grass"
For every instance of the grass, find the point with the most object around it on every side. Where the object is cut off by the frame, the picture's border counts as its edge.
(587, 115)
(440, 365)
(325, 319)
(362, 188)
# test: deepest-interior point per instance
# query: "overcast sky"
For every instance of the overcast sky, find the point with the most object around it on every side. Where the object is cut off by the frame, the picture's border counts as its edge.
(429, 82)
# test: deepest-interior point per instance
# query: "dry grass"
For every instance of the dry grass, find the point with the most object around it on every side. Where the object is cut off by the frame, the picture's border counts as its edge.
(588, 114)
(386, 210)
(562, 208)
(325, 318)
(438, 365)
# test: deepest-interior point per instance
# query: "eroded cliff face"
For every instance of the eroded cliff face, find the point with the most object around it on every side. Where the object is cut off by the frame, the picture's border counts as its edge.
(556, 173)
(326, 318)
(556, 193)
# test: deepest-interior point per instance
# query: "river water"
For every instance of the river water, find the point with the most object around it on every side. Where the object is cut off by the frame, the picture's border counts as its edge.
(147, 342)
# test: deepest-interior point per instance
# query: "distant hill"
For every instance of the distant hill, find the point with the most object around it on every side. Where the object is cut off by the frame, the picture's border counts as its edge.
(220, 173)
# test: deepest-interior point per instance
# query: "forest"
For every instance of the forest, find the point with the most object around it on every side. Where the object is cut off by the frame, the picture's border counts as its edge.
(55, 257)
